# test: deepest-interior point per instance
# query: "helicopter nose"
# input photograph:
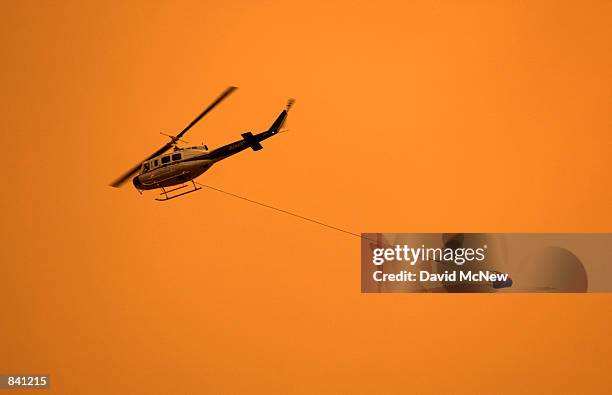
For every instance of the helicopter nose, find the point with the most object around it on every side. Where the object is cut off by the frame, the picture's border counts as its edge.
(136, 182)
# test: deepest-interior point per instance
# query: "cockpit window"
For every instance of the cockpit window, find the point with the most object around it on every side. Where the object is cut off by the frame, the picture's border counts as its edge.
(165, 159)
(145, 166)
(176, 156)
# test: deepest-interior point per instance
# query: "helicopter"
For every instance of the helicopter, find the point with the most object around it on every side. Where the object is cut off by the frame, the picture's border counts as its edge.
(178, 169)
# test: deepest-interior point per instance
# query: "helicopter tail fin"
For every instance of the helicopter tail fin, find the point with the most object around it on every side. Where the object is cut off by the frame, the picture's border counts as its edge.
(253, 141)
(280, 120)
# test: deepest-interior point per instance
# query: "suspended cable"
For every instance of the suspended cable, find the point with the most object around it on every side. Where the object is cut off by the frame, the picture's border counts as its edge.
(286, 212)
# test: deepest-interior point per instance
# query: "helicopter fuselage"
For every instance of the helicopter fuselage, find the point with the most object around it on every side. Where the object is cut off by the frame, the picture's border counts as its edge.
(185, 164)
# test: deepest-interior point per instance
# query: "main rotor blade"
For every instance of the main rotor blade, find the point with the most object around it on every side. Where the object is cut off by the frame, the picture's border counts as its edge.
(225, 94)
(121, 180)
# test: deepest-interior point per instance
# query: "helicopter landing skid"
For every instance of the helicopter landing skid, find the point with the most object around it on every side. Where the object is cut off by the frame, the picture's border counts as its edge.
(169, 197)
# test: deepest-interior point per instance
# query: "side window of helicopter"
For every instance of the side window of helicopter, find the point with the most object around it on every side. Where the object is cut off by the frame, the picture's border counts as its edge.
(145, 166)
(155, 163)
(165, 159)
(176, 156)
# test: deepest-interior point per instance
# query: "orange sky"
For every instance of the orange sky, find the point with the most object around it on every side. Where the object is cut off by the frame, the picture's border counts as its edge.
(410, 117)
